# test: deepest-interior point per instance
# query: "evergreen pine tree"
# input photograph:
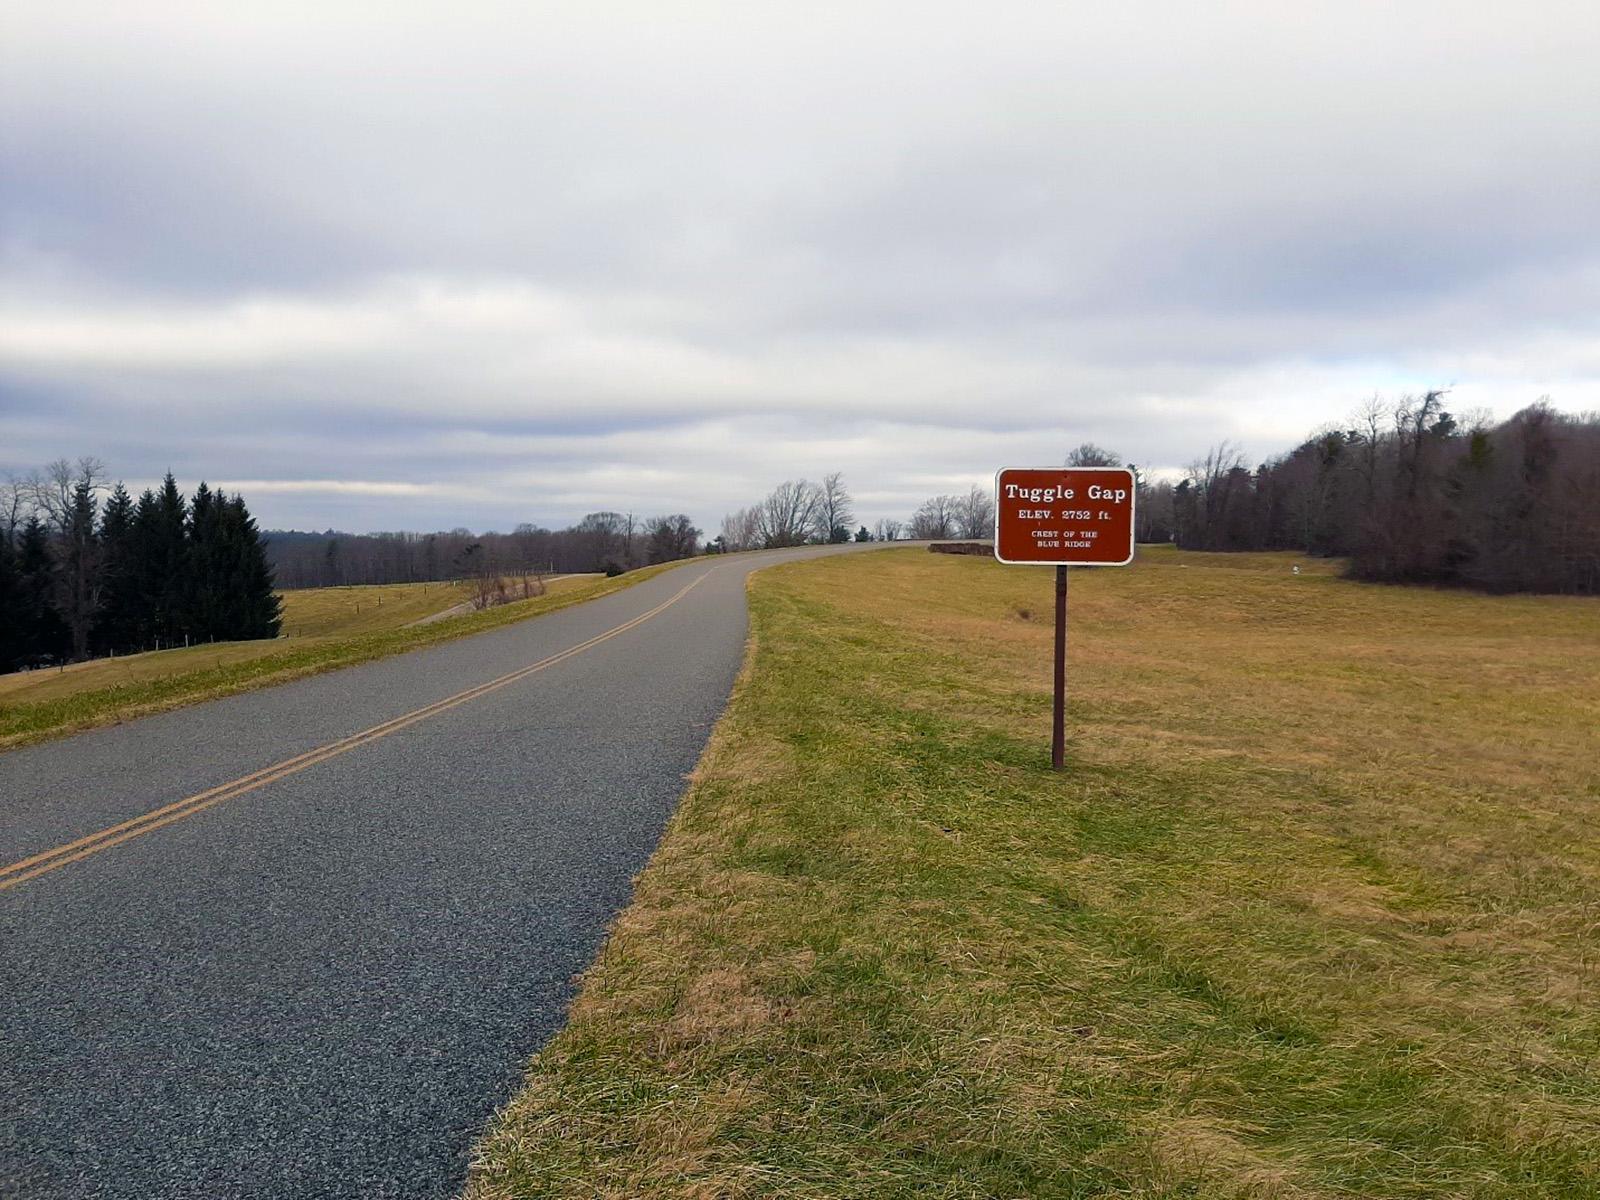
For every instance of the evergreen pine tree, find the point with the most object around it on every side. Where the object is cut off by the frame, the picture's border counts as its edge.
(259, 613)
(77, 569)
(117, 629)
(161, 540)
(44, 634)
(144, 584)
(13, 645)
(208, 569)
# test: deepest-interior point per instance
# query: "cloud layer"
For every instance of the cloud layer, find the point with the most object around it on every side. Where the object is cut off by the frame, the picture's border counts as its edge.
(403, 266)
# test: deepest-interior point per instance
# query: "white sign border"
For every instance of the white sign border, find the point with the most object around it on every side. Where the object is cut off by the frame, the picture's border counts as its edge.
(1133, 519)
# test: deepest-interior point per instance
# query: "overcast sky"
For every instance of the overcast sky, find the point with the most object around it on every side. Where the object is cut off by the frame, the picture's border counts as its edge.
(416, 266)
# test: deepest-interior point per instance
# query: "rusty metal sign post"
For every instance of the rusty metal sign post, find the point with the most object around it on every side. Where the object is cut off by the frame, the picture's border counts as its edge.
(1064, 517)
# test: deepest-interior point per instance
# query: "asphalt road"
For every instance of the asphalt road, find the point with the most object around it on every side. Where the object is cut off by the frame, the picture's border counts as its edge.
(325, 981)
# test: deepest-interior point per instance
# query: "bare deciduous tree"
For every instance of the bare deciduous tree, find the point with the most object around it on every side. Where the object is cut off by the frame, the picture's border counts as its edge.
(1154, 511)
(1090, 455)
(604, 541)
(834, 514)
(741, 530)
(975, 514)
(887, 530)
(936, 518)
(1369, 428)
(52, 489)
(788, 516)
(1207, 480)
(671, 538)
(68, 495)
(15, 503)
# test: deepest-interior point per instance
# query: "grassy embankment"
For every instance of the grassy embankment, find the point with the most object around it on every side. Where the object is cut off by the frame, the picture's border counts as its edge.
(324, 629)
(1313, 912)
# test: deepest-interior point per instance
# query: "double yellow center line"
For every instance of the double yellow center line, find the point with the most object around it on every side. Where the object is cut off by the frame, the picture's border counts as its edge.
(71, 852)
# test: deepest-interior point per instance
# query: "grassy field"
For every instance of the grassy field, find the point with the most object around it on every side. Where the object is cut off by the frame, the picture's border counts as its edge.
(335, 611)
(324, 628)
(1312, 913)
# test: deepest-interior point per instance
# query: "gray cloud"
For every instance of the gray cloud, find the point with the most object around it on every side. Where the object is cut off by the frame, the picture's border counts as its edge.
(400, 266)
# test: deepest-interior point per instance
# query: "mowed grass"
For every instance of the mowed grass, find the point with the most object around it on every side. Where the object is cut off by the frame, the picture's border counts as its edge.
(324, 629)
(1314, 911)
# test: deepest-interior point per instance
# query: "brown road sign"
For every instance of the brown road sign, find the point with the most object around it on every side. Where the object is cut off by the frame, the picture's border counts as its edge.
(1064, 516)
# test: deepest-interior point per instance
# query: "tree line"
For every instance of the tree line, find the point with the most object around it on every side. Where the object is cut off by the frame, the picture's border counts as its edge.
(972, 516)
(798, 512)
(952, 516)
(1405, 490)
(1410, 493)
(795, 513)
(80, 577)
(609, 542)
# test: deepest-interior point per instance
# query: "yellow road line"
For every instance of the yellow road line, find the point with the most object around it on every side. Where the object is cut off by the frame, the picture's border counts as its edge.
(71, 852)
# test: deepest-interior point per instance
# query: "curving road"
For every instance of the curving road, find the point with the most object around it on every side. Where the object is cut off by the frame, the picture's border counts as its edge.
(301, 942)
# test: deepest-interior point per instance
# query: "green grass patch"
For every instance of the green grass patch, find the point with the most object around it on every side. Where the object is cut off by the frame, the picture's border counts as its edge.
(1311, 913)
(340, 634)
